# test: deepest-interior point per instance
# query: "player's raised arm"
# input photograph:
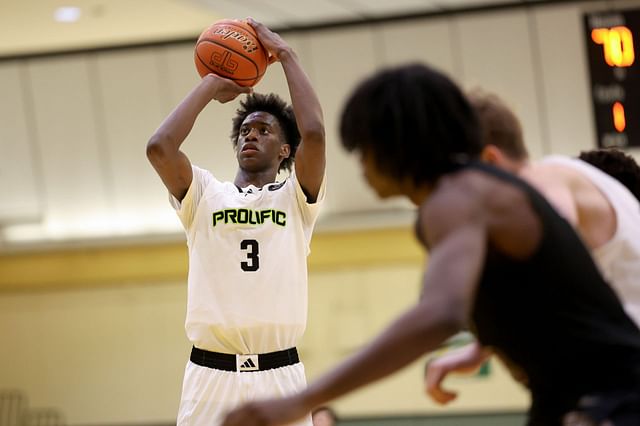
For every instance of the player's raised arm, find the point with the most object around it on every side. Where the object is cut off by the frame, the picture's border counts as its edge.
(310, 156)
(163, 148)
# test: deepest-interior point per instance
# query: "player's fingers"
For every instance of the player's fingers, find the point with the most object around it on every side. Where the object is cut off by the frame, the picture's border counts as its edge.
(255, 24)
(442, 396)
(246, 89)
(434, 376)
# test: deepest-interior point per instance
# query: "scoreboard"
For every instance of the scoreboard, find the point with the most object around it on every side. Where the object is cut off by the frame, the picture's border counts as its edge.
(612, 38)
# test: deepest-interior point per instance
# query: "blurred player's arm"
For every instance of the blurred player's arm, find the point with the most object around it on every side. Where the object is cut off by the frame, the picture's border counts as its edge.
(310, 157)
(163, 148)
(471, 357)
(458, 240)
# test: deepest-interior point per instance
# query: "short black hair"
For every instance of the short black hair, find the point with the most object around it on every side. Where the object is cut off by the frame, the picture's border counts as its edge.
(415, 122)
(277, 107)
(617, 164)
(500, 126)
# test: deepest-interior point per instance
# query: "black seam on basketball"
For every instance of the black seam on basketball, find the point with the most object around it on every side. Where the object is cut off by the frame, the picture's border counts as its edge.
(230, 78)
(232, 50)
(204, 64)
(241, 53)
(255, 36)
(244, 30)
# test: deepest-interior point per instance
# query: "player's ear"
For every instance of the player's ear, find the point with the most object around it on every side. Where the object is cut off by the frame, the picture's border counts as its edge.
(491, 154)
(285, 150)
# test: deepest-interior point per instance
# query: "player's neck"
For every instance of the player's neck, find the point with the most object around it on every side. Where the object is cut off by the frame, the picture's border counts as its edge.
(258, 179)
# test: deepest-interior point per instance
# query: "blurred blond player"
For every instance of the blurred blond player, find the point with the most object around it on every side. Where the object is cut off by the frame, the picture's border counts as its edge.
(248, 239)
(603, 211)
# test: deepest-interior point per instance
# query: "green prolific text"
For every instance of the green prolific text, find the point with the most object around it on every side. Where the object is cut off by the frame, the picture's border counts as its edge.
(249, 217)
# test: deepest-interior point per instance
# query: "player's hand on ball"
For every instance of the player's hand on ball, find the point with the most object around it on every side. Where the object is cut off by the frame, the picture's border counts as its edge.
(270, 40)
(224, 90)
(267, 413)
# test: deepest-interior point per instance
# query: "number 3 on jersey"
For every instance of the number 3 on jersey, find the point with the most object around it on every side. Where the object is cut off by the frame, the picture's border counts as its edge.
(253, 261)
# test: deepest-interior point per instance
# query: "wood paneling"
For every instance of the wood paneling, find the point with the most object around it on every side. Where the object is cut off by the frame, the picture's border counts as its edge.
(114, 266)
(19, 168)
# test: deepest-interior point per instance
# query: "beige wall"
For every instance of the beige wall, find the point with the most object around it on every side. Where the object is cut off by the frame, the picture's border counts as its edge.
(352, 305)
(100, 356)
(109, 355)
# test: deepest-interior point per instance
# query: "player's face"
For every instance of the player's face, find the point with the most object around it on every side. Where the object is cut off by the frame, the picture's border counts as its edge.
(384, 185)
(261, 144)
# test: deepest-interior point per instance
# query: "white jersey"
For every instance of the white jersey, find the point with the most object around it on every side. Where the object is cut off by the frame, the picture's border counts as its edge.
(248, 248)
(619, 258)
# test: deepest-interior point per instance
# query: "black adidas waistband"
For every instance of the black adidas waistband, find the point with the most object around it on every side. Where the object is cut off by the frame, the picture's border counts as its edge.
(230, 362)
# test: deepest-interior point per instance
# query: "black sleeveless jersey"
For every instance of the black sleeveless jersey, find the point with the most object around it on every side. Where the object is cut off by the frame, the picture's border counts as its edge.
(554, 316)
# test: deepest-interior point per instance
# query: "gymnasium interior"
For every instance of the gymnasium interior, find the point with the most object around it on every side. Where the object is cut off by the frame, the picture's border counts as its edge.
(93, 260)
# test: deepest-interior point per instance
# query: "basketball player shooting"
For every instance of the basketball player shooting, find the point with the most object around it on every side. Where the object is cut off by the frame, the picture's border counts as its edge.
(502, 262)
(248, 239)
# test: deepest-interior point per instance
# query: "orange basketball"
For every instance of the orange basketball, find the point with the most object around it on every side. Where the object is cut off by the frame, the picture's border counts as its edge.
(231, 49)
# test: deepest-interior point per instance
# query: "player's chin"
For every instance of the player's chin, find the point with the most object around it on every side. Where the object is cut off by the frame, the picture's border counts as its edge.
(248, 157)
(251, 164)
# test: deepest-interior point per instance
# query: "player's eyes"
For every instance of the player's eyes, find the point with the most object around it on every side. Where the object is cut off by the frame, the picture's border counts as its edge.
(244, 131)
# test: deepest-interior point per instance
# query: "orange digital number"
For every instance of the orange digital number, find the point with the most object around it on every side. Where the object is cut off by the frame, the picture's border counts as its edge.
(619, 120)
(617, 43)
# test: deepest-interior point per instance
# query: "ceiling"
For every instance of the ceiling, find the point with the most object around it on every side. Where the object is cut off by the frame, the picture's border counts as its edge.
(28, 26)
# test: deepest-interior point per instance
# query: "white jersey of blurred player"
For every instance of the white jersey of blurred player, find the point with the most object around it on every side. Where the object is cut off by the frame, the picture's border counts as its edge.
(247, 287)
(619, 258)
